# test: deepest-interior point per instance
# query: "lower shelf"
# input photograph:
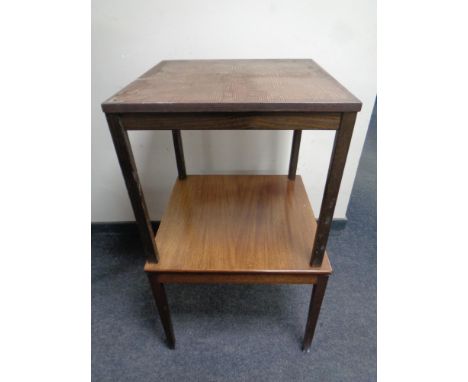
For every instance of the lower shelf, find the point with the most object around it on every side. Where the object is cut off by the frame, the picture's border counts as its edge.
(243, 224)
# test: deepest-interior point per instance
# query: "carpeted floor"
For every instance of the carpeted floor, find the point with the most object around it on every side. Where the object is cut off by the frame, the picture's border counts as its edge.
(243, 332)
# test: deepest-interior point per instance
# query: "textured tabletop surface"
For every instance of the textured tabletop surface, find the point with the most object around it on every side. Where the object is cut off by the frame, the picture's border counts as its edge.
(234, 86)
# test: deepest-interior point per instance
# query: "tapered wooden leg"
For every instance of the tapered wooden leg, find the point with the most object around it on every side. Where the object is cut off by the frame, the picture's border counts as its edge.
(332, 186)
(130, 174)
(179, 152)
(314, 311)
(163, 308)
(296, 143)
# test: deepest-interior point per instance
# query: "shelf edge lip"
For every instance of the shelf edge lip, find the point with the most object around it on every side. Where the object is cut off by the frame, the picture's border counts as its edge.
(273, 272)
(328, 107)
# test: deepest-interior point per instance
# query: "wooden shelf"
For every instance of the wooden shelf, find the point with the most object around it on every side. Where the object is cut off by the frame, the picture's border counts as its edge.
(254, 224)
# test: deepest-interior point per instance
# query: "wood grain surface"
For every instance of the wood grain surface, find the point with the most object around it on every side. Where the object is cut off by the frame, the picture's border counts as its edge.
(233, 86)
(237, 224)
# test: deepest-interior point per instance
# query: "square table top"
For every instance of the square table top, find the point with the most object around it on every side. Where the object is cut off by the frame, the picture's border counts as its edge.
(285, 85)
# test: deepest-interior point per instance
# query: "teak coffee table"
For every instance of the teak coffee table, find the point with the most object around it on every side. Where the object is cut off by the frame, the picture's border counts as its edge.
(257, 229)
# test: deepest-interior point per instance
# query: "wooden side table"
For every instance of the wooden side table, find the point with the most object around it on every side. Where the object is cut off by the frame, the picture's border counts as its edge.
(235, 229)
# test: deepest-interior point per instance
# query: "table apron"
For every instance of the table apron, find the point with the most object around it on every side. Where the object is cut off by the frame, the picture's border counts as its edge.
(235, 278)
(230, 121)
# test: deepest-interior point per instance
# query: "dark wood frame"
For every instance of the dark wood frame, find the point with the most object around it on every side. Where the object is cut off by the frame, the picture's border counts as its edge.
(343, 123)
(132, 181)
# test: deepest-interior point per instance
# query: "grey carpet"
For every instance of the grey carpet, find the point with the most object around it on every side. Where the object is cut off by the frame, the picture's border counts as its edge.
(241, 332)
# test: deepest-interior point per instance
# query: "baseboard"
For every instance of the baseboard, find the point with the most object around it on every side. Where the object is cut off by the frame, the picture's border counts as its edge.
(339, 224)
(126, 227)
(130, 228)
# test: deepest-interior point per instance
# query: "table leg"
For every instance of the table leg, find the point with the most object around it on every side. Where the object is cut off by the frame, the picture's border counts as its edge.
(135, 192)
(314, 310)
(163, 308)
(296, 143)
(179, 152)
(332, 186)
